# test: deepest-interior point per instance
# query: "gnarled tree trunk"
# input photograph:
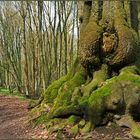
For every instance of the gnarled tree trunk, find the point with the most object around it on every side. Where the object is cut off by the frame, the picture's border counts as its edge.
(104, 80)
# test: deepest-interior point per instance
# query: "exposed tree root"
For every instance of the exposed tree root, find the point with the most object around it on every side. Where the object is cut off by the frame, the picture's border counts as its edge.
(71, 107)
(88, 95)
(98, 78)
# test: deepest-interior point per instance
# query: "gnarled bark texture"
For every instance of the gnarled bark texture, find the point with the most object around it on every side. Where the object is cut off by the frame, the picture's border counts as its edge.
(104, 80)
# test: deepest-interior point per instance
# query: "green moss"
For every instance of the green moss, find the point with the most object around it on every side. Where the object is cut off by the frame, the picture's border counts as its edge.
(73, 119)
(130, 74)
(56, 124)
(95, 101)
(93, 106)
(82, 123)
(83, 103)
(57, 98)
(52, 122)
(38, 112)
(130, 70)
(55, 128)
(99, 77)
(102, 98)
(96, 106)
(51, 93)
(63, 103)
(65, 111)
(134, 79)
(65, 94)
(135, 130)
(41, 119)
(74, 130)
(70, 103)
(87, 128)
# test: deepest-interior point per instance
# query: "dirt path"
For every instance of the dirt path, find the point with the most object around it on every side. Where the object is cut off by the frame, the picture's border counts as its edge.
(13, 124)
(13, 120)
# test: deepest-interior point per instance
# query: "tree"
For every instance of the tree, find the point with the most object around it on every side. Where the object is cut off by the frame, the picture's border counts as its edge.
(104, 80)
(37, 44)
(11, 47)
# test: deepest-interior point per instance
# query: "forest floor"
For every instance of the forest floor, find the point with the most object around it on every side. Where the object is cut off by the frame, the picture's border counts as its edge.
(14, 124)
(13, 120)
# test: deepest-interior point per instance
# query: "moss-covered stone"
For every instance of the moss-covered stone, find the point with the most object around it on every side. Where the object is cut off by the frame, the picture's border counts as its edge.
(127, 121)
(87, 128)
(82, 123)
(74, 130)
(55, 125)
